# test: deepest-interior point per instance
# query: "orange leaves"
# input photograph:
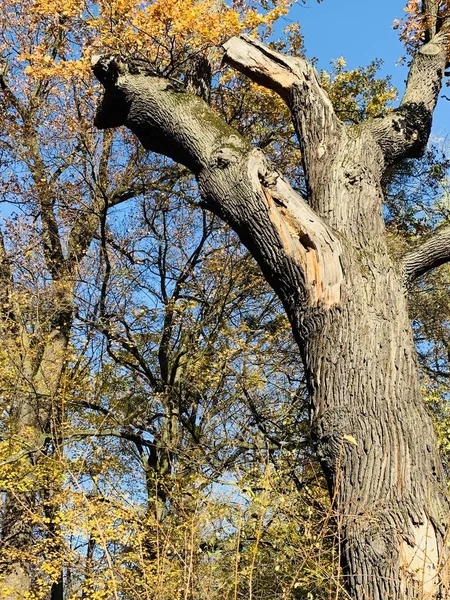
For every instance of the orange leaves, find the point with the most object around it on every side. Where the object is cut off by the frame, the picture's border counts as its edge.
(39, 64)
(166, 32)
(412, 27)
(56, 37)
(163, 29)
(421, 17)
(61, 8)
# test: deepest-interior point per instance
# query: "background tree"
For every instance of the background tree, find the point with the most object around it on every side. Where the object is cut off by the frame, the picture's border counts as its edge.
(62, 177)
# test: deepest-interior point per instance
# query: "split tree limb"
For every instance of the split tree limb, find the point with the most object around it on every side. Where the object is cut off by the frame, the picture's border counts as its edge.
(298, 253)
(296, 81)
(432, 253)
(324, 140)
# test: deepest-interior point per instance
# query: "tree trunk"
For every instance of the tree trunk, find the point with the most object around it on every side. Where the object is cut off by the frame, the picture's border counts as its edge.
(17, 536)
(328, 261)
(375, 440)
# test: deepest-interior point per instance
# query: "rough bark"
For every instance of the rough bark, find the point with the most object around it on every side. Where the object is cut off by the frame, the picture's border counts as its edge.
(346, 300)
(405, 131)
(431, 253)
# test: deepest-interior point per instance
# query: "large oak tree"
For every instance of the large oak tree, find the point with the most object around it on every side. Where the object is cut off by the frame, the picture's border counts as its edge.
(326, 256)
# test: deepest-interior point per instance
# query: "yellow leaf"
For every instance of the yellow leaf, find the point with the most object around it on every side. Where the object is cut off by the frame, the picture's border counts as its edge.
(350, 439)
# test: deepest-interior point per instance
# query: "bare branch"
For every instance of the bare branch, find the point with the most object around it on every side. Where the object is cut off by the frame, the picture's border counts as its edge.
(432, 253)
(85, 226)
(296, 81)
(51, 239)
(271, 69)
(6, 283)
(9, 95)
(77, 434)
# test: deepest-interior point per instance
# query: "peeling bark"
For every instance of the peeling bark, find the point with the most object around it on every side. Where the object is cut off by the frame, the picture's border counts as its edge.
(235, 181)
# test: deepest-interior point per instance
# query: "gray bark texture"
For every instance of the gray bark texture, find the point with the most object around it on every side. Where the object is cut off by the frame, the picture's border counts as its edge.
(327, 258)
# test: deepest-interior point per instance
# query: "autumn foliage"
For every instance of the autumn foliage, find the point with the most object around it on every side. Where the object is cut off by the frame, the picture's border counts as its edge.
(153, 440)
(421, 19)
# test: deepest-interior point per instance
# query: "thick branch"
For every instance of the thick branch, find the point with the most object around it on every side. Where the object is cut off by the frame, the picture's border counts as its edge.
(271, 69)
(432, 253)
(6, 282)
(76, 434)
(296, 81)
(51, 239)
(405, 132)
(324, 140)
(11, 98)
(436, 17)
(297, 252)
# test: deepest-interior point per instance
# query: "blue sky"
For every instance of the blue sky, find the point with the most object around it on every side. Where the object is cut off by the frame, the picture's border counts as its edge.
(360, 31)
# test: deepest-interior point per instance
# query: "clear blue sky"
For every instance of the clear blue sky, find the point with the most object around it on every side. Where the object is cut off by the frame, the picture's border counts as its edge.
(360, 31)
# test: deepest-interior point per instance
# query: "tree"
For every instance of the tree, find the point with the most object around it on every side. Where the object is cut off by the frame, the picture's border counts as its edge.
(327, 258)
(63, 177)
(184, 405)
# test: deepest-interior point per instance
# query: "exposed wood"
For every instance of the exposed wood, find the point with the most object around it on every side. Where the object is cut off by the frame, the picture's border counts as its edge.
(343, 183)
(296, 81)
(235, 181)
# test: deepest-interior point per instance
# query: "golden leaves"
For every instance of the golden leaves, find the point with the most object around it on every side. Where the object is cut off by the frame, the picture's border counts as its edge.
(61, 8)
(358, 94)
(57, 38)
